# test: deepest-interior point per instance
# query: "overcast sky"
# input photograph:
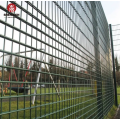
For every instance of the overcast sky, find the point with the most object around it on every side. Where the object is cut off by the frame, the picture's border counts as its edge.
(112, 12)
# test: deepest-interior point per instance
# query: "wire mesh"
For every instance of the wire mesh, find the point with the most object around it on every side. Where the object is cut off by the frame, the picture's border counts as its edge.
(116, 45)
(55, 60)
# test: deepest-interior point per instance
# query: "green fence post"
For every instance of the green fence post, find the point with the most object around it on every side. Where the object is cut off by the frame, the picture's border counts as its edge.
(114, 76)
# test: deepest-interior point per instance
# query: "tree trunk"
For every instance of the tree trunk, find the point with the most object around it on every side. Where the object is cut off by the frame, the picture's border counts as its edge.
(59, 85)
(67, 82)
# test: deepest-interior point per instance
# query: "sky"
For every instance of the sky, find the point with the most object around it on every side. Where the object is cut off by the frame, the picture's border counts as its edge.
(112, 12)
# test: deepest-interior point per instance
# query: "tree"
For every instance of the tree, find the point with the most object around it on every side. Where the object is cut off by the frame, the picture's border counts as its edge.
(21, 72)
(16, 64)
(70, 71)
(34, 67)
(25, 64)
(52, 68)
(90, 71)
(90, 68)
(116, 64)
(0, 74)
(8, 63)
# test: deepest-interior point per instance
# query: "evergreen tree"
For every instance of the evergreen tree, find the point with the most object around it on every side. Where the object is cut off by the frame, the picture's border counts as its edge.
(16, 64)
(34, 67)
(116, 64)
(8, 63)
(21, 72)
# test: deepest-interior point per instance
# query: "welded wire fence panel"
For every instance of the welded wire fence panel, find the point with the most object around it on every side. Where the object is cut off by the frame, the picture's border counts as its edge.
(116, 41)
(55, 60)
(116, 44)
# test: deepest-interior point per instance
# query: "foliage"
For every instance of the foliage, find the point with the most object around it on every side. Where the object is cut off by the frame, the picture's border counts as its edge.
(8, 63)
(116, 64)
(111, 113)
(118, 78)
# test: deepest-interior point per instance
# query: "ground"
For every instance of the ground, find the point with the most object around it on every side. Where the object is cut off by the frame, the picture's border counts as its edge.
(112, 113)
(81, 104)
(48, 103)
(118, 110)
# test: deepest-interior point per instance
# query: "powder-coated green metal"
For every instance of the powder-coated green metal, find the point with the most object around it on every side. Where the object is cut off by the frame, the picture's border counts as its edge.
(76, 74)
(114, 76)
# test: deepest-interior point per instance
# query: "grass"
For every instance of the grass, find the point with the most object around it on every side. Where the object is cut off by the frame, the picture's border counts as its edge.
(51, 90)
(118, 90)
(82, 104)
(112, 112)
(47, 109)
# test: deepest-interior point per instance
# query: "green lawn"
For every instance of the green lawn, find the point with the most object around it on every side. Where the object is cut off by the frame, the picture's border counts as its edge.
(50, 109)
(81, 104)
(118, 90)
(112, 112)
(78, 101)
(52, 90)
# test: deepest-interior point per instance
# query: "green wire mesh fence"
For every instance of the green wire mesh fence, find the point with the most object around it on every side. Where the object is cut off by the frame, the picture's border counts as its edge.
(55, 60)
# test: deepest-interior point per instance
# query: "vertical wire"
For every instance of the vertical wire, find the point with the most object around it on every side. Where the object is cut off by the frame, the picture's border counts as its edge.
(37, 33)
(10, 83)
(72, 72)
(3, 64)
(31, 66)
(59, 88)
(67, 30)
(35, 62)
(45, 61)
(76, 70)
(57, 68)
(75, 90)
(70, 63)
(67, 66)
(36, 56)
(62, 54)
(66, 58)
(76, 79)
(11, 63)
(18, 62)
(61, 25)
(71, 66)
(52, 60)
(49, 85)
(35, 67)
(70, 53)
(31, 73)
(43, 74)
(24, 83)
